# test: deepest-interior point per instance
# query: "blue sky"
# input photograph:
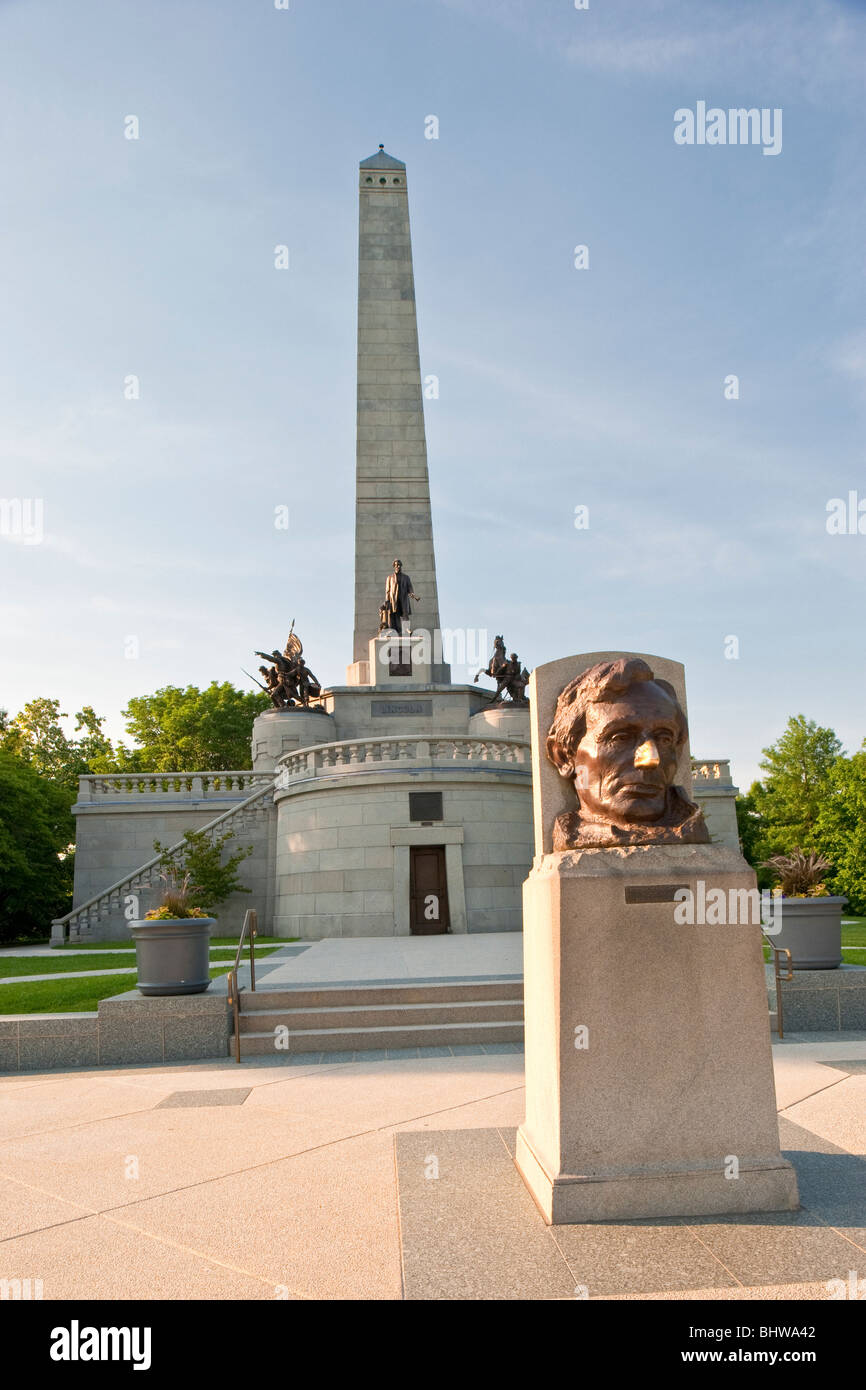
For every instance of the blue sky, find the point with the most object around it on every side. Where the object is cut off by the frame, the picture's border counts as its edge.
(558, 387)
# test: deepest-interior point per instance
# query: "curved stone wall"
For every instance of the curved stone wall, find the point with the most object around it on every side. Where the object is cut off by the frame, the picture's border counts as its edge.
(279, 731)
(344, 836)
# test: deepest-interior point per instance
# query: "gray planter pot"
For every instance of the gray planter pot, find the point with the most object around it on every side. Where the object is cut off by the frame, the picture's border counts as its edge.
(173, 956)
(812, 932)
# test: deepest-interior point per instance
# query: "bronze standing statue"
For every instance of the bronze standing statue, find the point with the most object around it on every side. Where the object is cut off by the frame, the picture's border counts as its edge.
(397, 607)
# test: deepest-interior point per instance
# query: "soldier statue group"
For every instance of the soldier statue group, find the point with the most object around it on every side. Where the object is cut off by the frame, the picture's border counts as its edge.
(511, 678)
(288, 680)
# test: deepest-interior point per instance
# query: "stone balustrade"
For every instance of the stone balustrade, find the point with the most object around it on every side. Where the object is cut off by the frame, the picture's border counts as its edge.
(328, 758)
(389, 754)
(707, 772)
(102, 788)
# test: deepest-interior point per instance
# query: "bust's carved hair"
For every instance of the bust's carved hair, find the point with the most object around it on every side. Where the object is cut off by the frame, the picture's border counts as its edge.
(599, 683)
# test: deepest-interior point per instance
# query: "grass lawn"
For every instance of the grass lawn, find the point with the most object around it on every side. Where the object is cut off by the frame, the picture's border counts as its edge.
(66, 996)
(105, 960)
(81, 995)
(853, 941)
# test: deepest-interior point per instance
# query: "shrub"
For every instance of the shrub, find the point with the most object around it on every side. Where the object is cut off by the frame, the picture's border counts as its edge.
(800, 875)
(206, 881)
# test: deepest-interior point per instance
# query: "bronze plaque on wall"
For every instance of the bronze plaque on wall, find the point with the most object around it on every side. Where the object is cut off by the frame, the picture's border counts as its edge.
(425, 805)
(384, 709)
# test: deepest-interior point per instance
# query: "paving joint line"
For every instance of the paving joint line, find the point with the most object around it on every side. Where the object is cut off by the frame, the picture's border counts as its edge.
(739, 1283)
(549, 1228)
(199, 1254)
(846, 1076)
(301, 1153)
(399, 1222)
(128, 1114)
(81, 1124)
(836, 1229)
(88, 1213)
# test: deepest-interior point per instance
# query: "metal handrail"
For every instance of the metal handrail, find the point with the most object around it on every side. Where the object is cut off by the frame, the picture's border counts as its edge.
(778, 952)
(251, 920)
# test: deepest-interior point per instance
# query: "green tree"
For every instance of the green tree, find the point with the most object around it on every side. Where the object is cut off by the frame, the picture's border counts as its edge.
(754, 834)
(36, 859)
(797, 770)
(38, 738)
(841, 829)
(192, 730)
(94, 748)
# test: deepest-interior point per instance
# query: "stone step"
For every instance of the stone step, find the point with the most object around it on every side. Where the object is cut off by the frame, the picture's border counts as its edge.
(774, 1021)
(367, 1039)
(384, 1015)
(335, 996)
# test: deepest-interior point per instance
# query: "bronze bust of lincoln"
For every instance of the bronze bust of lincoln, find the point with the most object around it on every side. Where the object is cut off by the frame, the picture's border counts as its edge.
(616, 735)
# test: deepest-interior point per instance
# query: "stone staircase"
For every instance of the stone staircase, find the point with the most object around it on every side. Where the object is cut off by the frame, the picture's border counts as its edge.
(367, 1018)
(363, 1018)
(78, 925)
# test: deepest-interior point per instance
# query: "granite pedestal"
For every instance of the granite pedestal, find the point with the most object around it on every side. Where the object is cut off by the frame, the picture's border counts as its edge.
(649, 1083)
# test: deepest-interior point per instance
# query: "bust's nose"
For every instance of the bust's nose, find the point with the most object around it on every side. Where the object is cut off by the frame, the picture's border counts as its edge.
(647, 755)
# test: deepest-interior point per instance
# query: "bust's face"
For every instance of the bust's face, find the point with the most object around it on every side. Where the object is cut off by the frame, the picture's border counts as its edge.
(627, 758)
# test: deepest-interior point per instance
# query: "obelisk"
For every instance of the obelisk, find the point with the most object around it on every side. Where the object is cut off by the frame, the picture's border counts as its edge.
(392, 493)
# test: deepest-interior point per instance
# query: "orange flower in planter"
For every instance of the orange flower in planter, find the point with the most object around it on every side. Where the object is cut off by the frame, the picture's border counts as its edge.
(800, 874)
(168, 914)
(176, 900)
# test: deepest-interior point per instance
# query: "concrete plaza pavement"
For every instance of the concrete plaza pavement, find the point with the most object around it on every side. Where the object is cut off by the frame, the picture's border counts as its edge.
(334, 960)
(395, 960)
(263, 1180)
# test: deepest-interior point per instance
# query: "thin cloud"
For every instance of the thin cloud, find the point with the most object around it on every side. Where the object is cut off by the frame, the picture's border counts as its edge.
(819, 45)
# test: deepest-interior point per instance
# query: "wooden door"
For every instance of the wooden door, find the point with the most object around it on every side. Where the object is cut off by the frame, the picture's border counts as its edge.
(428, 890)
